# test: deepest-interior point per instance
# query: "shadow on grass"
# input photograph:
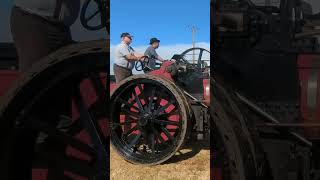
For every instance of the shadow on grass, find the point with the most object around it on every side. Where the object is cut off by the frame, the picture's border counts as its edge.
(193, 147)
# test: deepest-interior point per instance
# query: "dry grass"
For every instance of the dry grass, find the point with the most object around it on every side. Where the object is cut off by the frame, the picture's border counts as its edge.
(192, 163)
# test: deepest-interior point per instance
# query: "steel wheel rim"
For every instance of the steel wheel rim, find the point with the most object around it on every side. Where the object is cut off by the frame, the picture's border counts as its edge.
(219, 160)
(168, 133)
(27, 125)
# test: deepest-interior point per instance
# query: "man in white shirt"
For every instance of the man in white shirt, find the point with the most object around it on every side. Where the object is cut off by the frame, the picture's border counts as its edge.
(125, 58)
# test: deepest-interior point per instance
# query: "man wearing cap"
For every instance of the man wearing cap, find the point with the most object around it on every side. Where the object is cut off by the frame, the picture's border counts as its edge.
(125, 58)
(152, 54)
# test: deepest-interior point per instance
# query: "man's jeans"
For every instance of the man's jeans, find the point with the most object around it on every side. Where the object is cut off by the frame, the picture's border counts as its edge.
(121, 73)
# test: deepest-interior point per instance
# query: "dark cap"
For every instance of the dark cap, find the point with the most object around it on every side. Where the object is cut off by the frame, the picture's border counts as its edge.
(152, 40)
(125, 34)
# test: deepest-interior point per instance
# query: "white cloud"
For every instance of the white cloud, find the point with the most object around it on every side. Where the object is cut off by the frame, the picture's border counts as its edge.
(165, 51)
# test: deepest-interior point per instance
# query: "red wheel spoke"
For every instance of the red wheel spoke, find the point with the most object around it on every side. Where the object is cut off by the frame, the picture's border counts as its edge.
(128, 122)
(159, 97)
(132, 114)
(142, 93)
(66, 163)
(131, 130)
(167, 133)
(137, 99)
(128, 105)
(62, 137)
(162, 108)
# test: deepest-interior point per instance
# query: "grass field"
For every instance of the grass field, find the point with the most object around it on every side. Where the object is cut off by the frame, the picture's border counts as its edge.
(191, 163)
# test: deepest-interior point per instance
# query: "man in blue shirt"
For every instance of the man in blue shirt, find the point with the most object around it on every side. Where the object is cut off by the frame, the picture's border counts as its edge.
(152, 54)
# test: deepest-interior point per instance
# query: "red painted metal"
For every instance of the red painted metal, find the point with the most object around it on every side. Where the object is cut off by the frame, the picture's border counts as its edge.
(162, 72)
(159, 72)
(6, 79)
(112, 86)
(308, 63)
(206, 91)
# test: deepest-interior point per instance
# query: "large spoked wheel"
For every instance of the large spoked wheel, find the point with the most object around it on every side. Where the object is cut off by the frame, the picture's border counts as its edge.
(235, 153)
(150, 119)
(54, 119)
(199, 56)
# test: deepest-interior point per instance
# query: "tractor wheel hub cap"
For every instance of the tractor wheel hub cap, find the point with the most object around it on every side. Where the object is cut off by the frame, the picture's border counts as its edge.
(145, 119)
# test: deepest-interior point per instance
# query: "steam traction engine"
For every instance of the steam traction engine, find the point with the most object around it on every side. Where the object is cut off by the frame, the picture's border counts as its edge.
(154, 114)
(265, 90)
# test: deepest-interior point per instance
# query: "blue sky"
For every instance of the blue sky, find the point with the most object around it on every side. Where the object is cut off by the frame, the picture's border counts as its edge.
(167, 20)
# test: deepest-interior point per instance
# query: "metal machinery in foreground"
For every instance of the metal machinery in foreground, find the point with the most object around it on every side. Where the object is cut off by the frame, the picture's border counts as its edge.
(265, 90)
(35, 144)
(153, 114)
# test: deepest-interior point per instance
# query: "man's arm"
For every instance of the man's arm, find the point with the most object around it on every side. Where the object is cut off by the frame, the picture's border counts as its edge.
(129, 56)
(138, 54)
(155, 54)
(132, 57)
(160, 58)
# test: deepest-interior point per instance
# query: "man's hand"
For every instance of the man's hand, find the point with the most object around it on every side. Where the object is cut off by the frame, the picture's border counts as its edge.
(142, 58)
(132, 57)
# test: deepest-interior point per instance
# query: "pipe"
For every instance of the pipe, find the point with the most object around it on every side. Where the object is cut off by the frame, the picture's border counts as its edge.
(195, 99)
(272, 119)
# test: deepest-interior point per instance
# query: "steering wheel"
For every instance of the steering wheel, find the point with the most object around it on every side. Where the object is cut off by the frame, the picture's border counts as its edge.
(140, 65)
(196, 54)
(87, 19)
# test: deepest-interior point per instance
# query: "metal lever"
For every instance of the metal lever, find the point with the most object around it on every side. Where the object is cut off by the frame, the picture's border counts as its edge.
(271, 119)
